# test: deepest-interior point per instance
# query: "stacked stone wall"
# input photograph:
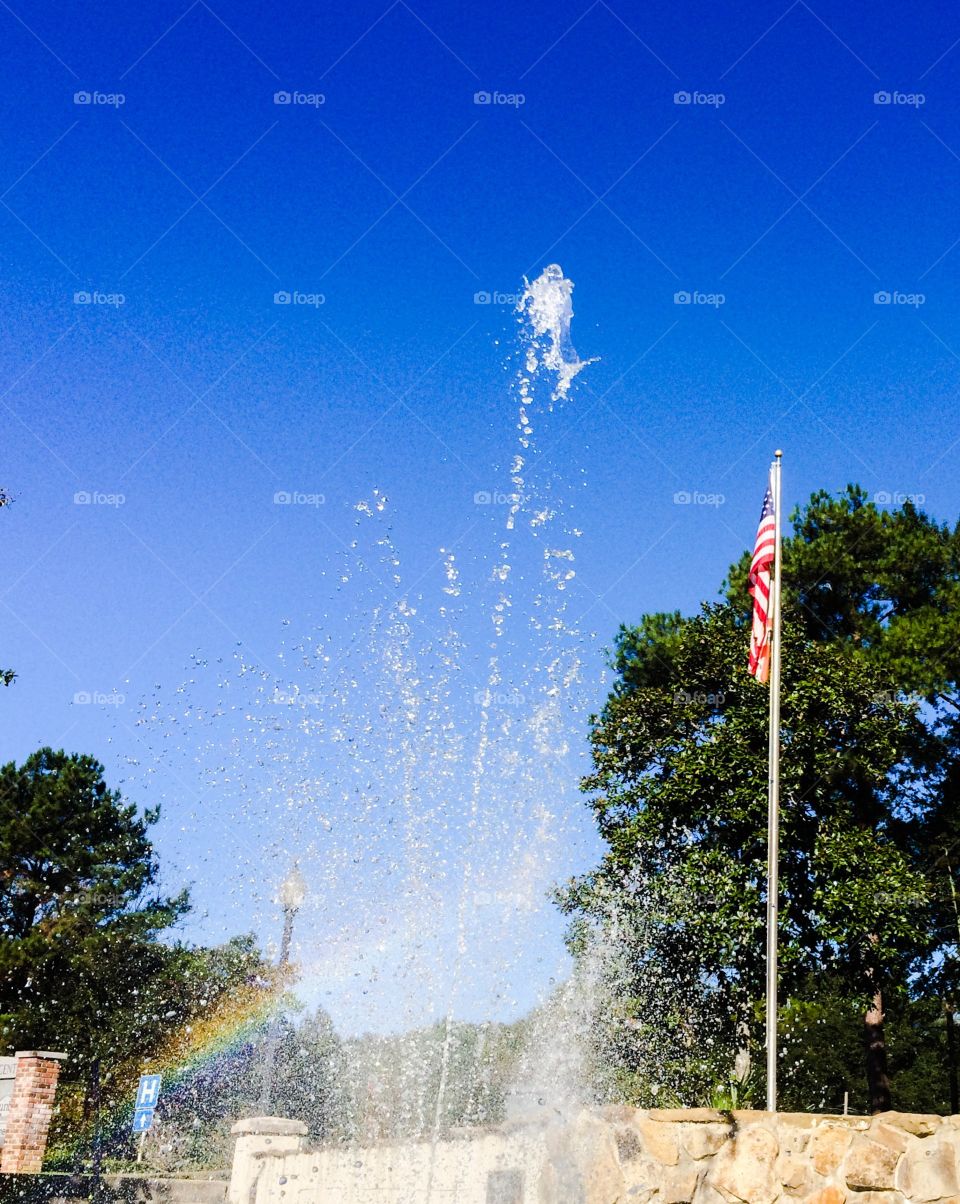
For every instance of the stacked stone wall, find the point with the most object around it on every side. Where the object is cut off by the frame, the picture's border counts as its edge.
(621, 1156)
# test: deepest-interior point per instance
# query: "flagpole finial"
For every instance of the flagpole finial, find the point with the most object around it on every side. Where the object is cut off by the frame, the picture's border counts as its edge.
(779, 454)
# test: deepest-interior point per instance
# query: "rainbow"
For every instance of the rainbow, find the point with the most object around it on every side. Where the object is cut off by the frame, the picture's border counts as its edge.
(209, 1040)
(193, 1058)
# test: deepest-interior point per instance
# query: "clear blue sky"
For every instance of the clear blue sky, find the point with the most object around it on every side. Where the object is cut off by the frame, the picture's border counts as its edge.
(797, 199)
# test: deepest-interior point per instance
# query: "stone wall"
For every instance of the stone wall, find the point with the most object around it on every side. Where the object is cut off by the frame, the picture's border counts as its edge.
(620, 1156)
(759, 1158)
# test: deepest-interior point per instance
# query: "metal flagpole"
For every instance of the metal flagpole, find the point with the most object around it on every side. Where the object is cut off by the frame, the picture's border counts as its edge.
(773, 802)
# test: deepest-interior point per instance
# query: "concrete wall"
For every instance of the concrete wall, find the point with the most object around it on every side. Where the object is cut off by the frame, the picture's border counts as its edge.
(454, 1171)
(624, 1155)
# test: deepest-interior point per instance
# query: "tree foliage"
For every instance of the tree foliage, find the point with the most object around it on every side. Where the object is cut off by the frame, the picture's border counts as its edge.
(869, 770)
(81, 965)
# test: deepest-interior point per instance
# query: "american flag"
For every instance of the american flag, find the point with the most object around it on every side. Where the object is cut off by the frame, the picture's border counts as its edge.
(764, 551)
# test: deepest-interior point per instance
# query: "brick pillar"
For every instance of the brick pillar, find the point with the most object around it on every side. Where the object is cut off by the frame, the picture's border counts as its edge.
(31, 1107)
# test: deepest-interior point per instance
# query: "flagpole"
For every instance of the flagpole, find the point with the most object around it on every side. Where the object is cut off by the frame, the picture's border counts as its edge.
(773, 802)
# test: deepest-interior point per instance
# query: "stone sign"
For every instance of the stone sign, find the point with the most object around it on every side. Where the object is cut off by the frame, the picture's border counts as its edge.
(8, 1070)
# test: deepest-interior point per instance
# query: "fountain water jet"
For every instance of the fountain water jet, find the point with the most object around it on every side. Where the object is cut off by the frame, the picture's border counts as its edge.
(431, 823)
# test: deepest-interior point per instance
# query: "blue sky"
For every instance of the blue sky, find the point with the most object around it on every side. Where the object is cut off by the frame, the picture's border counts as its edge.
(781, 200)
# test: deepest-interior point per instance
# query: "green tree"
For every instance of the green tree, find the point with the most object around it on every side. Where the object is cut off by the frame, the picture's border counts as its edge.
(391, 1085)
(887, 582)
(870, 775)
(89, 963)
(823, 1052)
(309, 1073)
(199, 990)
(81, 966)
(679, 792)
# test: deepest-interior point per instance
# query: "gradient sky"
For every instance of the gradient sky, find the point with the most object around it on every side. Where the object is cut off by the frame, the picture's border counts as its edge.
(784, 191)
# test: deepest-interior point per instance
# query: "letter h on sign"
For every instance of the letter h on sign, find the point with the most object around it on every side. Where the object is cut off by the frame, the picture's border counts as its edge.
(148, 1091)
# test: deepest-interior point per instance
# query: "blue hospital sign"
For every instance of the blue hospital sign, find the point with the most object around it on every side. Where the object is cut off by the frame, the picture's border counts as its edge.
(148, 1091)
(142, 1120)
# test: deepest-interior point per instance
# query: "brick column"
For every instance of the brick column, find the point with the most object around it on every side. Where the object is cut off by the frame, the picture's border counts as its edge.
(31, 1107)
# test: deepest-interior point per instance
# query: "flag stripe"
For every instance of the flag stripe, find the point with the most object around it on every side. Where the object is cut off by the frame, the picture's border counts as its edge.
(764, 552)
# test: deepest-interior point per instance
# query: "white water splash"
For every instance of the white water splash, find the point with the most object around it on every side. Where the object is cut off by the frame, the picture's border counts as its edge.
(547, 306)
(416, 747)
